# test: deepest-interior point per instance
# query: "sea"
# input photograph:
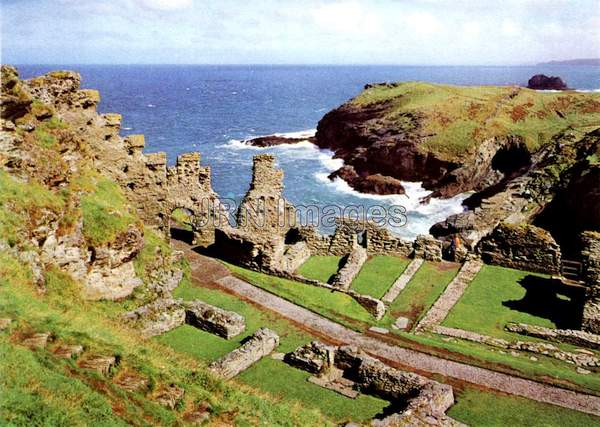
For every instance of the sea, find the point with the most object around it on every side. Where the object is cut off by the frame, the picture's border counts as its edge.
(212, 109)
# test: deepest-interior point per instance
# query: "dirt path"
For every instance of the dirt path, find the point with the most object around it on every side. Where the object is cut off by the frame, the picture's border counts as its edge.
(407, 357)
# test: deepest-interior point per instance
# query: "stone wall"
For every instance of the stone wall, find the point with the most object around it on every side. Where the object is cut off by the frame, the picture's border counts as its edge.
(376, 239)
(352, 264)
(258, 345)
(590, 256)
(428, 248)
(523, 247)
(264, 212)
(226, 324)
(570, 336)
(294, 256)
(425, 401)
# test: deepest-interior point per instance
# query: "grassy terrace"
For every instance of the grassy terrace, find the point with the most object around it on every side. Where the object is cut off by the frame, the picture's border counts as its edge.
(509, 295)
(478, 408)
(422, 291)
(328, 305)
(461, 117)
(378, 274)
(332, 305)
(269, 375)
(321, 268)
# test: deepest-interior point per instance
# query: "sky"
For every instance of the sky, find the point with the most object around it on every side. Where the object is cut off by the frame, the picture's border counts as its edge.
(411, 32)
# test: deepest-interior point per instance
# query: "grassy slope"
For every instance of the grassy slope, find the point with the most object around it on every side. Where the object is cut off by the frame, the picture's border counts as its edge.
(500, 292)
(272, 376)
(378, 274)
(422, 290)
(460, 117)
(320, 267)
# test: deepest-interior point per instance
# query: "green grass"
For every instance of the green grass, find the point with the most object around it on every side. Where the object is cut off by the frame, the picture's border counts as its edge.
(378, 274)
(182, 219)
(422, 291)
(461, 117)
(288, 383)
(275, 377)
(502, 294)
(336, 306)
(106, 213)
(478, 408)
(320, 267)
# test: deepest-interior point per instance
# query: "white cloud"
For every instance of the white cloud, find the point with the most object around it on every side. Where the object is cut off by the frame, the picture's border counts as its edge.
(423, 23)
(510, 28)
(166, 5)
(346, 17)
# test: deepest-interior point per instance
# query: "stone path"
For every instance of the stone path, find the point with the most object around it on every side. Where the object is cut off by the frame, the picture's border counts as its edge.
(407, 357)
(438, 312)
(402, 281)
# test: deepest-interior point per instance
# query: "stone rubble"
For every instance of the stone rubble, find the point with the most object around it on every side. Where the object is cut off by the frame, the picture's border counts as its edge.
(570, 336)
(224, 323)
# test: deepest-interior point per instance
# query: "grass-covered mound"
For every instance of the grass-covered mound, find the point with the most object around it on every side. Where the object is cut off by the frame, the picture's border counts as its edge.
(378, 274)
(458, 118)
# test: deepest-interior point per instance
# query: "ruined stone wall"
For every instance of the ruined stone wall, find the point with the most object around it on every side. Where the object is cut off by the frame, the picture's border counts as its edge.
(317, 243)
(264, 212)
(258, 345)
(523, 247)
(375, 238)
(591, 275)
(352, 265)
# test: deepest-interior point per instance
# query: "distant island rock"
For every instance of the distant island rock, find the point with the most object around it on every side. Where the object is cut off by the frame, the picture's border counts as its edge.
(543, 82)
(580, 61)
(273, 140)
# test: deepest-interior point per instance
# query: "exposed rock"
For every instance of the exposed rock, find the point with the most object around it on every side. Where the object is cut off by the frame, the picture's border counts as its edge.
(312, 357)
(378, 330)
(401, 323)
(543, 82)
(36, 340)
(102, 364)
(5, 323)
(68, 351)
(226, 324)
(371, 184)
(255, 347)
(273, 140)
(131, 381)
(294, 256)
(15, 99)
(170, 396)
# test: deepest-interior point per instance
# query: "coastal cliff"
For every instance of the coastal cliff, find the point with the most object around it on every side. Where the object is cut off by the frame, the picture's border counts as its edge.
(453, 139)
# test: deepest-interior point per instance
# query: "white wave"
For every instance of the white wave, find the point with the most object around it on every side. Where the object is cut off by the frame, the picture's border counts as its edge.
(127, 128)
(151, 105)
(308, 133)
(588, 90)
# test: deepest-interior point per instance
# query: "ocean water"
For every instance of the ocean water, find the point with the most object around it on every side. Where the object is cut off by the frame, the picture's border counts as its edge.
(212, 108)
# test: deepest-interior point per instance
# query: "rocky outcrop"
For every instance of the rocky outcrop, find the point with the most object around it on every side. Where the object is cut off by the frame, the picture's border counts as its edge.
(523, 247)
(428, 248)
(544, 82)
(371, 184)
(254, 348)
(274, 140)
(226, 324)
(158, 317)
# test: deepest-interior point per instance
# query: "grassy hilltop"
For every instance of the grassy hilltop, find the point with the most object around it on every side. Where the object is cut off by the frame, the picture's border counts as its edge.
(457, 118)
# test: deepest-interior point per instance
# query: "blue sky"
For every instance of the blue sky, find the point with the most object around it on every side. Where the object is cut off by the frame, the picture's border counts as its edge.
(298, 32)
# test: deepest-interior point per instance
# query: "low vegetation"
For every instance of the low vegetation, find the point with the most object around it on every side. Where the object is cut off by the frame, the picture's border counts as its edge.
(512, 296)
(460, 117)
(378, 274)
(422, 291)
(320, 267)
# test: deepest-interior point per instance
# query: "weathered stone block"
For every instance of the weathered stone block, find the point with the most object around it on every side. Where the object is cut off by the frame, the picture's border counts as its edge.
(428, 248)
(215, 320)
(258, 345)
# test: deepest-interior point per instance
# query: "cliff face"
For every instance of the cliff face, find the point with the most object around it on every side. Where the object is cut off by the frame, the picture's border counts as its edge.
(453, 139)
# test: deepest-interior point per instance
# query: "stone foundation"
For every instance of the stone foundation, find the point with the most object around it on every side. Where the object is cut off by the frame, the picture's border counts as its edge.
(258, 345)
(570, 336)
(426, 400)
(428, 248)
